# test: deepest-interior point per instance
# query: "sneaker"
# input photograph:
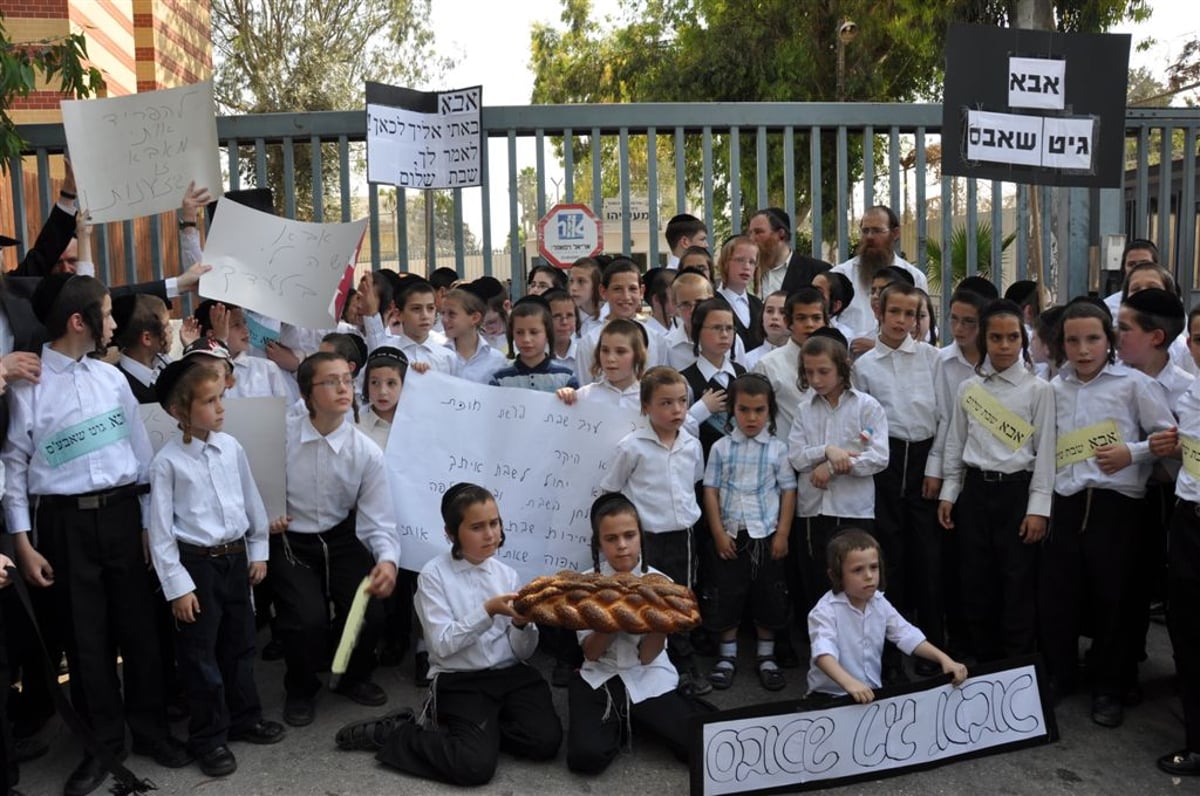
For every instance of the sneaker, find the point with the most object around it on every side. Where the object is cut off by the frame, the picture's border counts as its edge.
(369, 735)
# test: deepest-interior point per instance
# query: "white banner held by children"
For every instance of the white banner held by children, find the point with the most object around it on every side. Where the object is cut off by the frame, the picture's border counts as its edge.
(135, 155)
(258, 424)
(542, 460)
(782, 746)
(424, 139)
(285, 269)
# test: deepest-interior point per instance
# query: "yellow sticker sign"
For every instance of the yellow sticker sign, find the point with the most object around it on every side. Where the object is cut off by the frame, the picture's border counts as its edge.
(1005, 424)
(1080, 444)
(1191, 455)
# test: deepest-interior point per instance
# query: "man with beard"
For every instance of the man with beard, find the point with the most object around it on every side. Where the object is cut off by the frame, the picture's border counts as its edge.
(779, 267)
(876, 250)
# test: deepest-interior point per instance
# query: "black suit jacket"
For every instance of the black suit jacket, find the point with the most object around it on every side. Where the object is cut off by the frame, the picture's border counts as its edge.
(800, 272)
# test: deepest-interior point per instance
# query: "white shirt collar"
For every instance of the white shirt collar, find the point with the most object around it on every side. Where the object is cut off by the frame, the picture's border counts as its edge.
(136, 369)
(708, 371)
(336, 439)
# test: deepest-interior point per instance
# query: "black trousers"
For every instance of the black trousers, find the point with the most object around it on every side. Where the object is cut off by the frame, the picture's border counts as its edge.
(810, 537)
(598, 719)
(1151, 584)
(1183, 595)
(907, 529)
(216, 652)
(1090, 568)
(310, 571)
(104, 602)
(478, 714)
(999, 571)
(671, 553)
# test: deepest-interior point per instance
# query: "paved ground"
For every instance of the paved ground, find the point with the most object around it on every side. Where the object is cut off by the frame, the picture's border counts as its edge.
(1087, 760)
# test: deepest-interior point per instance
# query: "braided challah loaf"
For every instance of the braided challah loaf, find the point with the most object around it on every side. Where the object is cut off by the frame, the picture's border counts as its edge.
(649, 603)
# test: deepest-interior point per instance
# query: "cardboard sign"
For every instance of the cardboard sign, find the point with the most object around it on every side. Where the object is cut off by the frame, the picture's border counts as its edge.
(285, 269)
(134, 156)
(786, 746)
(541, 459)
(424, 139)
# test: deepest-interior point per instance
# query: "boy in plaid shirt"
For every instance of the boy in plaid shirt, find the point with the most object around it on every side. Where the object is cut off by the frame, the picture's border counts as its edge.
(749, 502)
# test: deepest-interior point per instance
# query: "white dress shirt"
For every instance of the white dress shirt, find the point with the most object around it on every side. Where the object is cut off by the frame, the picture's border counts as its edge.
(782, 369)
(660, 481)
(970, 444)
(585, 354)
(855, 639)
(460, 635)
(857, 315)
(143, 374)
(773, 280)
(1139, 406)
(857, 424)
(623, 659)
(752, 357)
(699, 411)
(433, 350)
(202, 493)
(902, 380)
(1175, 380)
(680, 352)
(569, 359)
(255, 377)
(606, 393)
(1187, 486)
(374, 426)
(654, 327)
(482, 364)
(740, 303)
(330, 476)
(69, 393)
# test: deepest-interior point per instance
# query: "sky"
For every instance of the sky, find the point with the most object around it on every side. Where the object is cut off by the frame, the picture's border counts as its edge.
(489, 39)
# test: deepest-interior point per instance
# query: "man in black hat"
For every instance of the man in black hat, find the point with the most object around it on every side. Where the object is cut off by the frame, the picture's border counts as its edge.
(781, 268)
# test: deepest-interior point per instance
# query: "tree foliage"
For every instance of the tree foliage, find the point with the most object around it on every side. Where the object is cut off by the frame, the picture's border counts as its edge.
(280, 56)
(765, 51)
(24, 63)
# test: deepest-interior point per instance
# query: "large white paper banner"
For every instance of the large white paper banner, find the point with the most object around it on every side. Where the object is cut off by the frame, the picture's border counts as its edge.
(1037, 83)
(1004, 138)
(543, 461)
(424, 139)
(1069, 143)
(284, 269)
(258, 424)
(135, 155)
(782, 748)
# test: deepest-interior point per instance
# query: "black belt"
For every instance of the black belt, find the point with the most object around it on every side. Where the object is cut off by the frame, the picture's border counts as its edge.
(997, 477)
(216, 551)
(90, 501)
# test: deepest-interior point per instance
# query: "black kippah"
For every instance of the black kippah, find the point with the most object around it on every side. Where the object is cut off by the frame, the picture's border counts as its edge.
(1155, 301)
(831, 333)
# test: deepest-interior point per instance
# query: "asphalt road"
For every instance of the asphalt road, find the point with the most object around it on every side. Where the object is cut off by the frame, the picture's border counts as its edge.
(1087, 759)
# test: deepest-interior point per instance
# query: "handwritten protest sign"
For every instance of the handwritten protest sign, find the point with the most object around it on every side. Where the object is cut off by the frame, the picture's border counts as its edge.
(424, 139)
(257, 423)
(285, 269)
(783, 746)
(542, 459)
(135, 155)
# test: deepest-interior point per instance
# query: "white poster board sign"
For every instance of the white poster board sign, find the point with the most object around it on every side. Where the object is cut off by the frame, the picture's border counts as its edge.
(1004, 138)
(1069, 143)
(543, 461)
(135, 155)
(781, 747)
(424, 139)
(285, 269)
(1037, 83)
(258, 424)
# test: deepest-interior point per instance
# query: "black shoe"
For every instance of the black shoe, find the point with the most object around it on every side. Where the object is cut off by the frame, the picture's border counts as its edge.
(561, 676)
(87, 776)
(692, 683)
(924, 668)
(168, 753)
(421, 669)
(369, 735)
(1181, 764)
(26, 749)
(364, 692)
(785, 654)
(1107, 711)
(263, 733)
(218, 761)
(299, 711)
(273, 651)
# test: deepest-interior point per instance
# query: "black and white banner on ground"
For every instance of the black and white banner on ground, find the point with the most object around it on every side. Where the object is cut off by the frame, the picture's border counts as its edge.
(424, 139)
(789, 746)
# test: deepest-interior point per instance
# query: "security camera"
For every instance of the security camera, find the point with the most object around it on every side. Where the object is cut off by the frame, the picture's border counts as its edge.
(847, 30)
